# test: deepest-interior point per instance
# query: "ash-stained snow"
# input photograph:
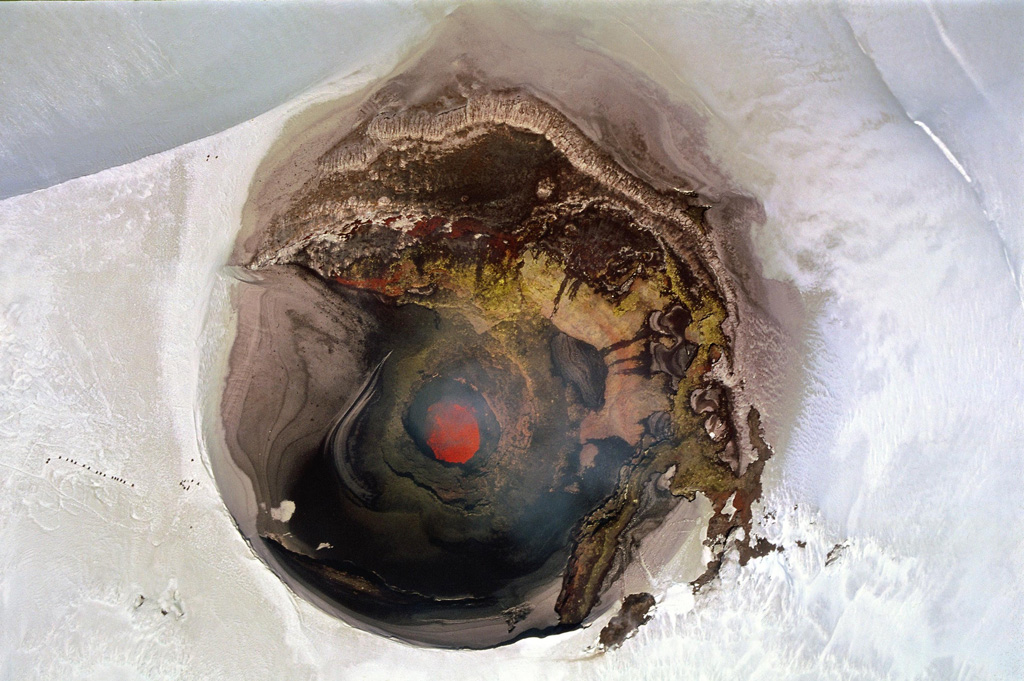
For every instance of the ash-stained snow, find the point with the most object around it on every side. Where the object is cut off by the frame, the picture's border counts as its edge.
(895, 490)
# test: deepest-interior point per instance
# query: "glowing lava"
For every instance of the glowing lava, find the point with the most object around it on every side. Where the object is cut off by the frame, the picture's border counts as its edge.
(452, 431)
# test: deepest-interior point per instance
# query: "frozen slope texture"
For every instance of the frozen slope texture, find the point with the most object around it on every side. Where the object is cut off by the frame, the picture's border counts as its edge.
(903, 450)
(87, 90)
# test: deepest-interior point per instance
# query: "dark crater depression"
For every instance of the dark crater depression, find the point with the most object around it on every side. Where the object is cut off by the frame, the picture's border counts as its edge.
(477, 362)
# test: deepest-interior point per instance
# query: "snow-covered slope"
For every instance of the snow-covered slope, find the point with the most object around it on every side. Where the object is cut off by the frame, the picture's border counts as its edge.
(886, 147)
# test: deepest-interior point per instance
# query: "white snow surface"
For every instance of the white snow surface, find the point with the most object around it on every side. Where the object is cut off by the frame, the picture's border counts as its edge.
(85, 90)
(118, 559)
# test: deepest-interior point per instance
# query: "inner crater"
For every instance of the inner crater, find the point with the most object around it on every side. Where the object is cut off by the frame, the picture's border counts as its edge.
(478, 362)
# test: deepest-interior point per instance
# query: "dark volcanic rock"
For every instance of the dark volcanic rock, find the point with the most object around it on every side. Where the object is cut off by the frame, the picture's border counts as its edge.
(581, 366)
(633, 614)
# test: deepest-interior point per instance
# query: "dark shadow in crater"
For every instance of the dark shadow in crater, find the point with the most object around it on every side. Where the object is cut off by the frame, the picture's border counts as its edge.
(481, 355)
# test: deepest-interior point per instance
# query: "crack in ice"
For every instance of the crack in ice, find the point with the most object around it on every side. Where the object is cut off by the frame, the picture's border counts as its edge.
(945, 150)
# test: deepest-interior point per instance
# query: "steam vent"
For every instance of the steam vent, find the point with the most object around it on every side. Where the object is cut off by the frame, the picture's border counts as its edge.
(477, 363)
